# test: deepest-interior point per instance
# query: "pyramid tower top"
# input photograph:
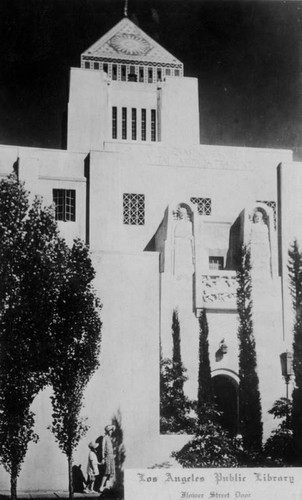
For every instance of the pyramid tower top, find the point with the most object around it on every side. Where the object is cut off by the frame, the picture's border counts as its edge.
(126, 43)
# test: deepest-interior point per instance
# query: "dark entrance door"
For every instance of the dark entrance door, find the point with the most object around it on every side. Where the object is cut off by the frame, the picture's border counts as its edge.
(226, 397)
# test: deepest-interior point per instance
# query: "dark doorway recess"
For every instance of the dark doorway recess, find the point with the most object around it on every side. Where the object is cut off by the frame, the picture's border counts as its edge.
(226, 397)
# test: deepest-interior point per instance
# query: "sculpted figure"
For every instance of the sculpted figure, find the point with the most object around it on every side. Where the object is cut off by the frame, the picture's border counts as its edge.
(183, 244)
(260, 246)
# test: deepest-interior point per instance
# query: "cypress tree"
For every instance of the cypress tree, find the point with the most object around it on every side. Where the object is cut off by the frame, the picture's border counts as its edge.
(295, 277)
(179, 380)
(249, 395)
(174, 405)
(205, 388)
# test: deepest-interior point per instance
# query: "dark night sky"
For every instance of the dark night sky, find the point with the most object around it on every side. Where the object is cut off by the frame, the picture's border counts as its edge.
(244, 53)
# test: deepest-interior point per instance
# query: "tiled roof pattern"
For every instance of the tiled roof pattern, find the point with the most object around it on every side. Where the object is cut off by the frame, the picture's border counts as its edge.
(127, 41)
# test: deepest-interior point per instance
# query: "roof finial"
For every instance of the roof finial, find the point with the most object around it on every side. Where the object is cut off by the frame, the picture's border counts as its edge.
(126, 8)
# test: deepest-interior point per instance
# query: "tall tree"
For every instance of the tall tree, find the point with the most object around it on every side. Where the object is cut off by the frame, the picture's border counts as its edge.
(76, 349)
(174, 405)
(249, 395)
(27, 294)
(205, 388)
(295, 277)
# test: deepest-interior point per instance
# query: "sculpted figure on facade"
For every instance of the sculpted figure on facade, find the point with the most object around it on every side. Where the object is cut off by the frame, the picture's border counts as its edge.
(183, 244)
(260, 246)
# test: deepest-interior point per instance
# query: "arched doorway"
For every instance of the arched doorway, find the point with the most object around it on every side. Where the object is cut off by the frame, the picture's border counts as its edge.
(226, 397)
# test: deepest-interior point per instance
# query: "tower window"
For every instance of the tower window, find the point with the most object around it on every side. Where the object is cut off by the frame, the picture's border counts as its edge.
(150, 75)
(114, 72)
(216, 263)
(123, 73)
(153, 125)
(124, 123)
(114, 122)
(141, 74)
(204, 205)
(64, 200)
(134, 209)
(133, 124)
(143, 125)
(96, 65)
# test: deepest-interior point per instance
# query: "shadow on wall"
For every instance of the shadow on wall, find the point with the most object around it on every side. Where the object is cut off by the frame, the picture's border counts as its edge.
(79, 481)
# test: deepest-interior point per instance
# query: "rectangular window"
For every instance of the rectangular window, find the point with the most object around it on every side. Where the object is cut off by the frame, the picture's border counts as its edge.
(87, 65)
(204, 205)
(124, 123)
(114, 72)
(153, 125)
(133, 124)
(150, 75)
(176, 72)
(141, 74)
(105, 68)
(159, 75)
(134, 209)
(168, 71)
(216, 263)
(96, 65)
(65, 200)
(143, 125)
(114, 122)
(123, 73)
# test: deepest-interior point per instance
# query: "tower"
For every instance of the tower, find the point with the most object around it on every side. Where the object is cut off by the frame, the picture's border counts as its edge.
(125, 90)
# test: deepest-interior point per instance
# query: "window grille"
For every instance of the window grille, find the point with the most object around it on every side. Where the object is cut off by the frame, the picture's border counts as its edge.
(65, 204)
(273, 205)
(168, 71)
(114, 122)
(143, 125)
(134, 209)
(204, 205)
(216, 263)
(124, 123)
(153, 125)
(133, 123)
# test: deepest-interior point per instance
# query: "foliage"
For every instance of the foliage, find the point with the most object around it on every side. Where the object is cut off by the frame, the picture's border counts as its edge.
(205, 389)
(119, 454)
(295, 278)
(249, 396)
(175, 407)
(280, 446)
(212, 446)
(27, 295)
(75, 346)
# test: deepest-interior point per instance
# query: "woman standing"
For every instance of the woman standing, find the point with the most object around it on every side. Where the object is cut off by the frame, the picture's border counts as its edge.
(108, 457)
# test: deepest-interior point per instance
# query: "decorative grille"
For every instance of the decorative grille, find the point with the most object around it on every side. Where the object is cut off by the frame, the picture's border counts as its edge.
(134, 209)
(273, 205)
(204, 205)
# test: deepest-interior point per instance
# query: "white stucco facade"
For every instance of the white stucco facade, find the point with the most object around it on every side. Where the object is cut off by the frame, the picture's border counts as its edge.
(128, 193)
